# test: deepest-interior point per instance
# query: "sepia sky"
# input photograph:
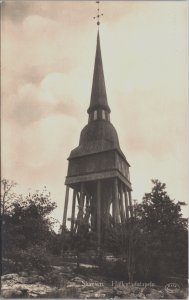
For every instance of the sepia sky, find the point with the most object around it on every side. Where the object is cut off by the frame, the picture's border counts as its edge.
(48, 51)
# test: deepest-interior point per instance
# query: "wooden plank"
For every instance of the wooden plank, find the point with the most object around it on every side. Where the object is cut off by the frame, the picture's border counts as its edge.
(98, 214)
(96, 176)
(81, 201)
(73, 210)
(116, 202)
(126, 204)
(122, 211)
(130, 204)
(78, 197)
(65, 207)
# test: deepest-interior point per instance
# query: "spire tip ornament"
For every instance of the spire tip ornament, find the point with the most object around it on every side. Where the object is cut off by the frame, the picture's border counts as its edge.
(98, 14)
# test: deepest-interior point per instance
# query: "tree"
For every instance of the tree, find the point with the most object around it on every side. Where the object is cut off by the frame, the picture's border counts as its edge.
(27, 222)
(162, 235)
(7, 195)
(154, 243)
(159, 212)
(27, 231)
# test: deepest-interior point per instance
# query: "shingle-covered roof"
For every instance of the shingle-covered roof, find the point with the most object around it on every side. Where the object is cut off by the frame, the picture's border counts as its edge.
(98, 93)
(97, 137)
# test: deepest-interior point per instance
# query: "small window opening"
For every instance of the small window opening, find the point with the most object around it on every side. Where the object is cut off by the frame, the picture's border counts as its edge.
(103, 115)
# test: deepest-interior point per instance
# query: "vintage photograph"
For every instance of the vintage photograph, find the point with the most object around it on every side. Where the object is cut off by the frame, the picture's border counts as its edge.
(94, 155)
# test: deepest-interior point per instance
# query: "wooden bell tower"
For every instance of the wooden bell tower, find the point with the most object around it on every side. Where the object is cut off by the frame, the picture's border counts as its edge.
(98, 171)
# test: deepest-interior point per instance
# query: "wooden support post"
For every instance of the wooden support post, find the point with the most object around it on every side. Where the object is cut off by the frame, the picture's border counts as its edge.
(107, 213)
(116, 202)
(65, 208)
(126, 205)
(122, 212)
(87, 207)
(130, 204)
(92, 213)
(73, 211)
(78, 198)
(113, 205)
(64, 219)
(98, 215)
(81, 202)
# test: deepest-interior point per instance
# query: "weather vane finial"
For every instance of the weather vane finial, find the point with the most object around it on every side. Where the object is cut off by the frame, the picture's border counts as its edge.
(98, 14)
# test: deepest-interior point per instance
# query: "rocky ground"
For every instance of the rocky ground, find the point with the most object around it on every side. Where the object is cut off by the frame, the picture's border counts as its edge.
(65, 282)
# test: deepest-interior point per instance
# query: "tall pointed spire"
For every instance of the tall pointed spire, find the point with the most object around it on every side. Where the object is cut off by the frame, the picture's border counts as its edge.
(98, 94)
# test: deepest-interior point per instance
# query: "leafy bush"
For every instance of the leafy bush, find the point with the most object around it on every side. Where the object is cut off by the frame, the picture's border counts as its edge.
(115, 270)
(34, 258)
(8, 266)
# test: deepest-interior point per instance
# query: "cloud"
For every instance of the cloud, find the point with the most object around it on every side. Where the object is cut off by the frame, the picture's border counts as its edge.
(34, 102)
(37, 53)
(74, 12)
(15, 10)
(37, 148)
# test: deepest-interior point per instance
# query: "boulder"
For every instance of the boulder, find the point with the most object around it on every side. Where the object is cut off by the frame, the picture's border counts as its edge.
(15, 286)
(92, 295)
(155, 294)
(99, 295)
(13, 276)
(73, 285)
(34, 279)
(11, 293)
(33, 295)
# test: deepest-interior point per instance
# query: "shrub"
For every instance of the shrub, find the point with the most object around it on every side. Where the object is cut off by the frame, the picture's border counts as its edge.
(115, 270)
(34, 258)
(8, 266)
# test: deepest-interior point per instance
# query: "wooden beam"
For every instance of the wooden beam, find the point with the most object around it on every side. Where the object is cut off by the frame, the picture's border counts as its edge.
(97, 176)
(126, 205)
(65, 207)
(73, 210)
(113, 208)
(113, 202)
(116, 202)
(130, 204)
(78, 197)
(81, 201)
(92, 208)
(77, 219)
(98, 215)
(122, 212)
